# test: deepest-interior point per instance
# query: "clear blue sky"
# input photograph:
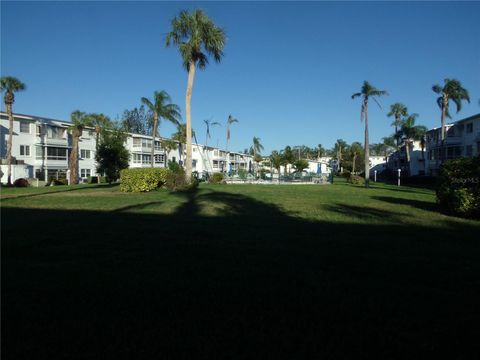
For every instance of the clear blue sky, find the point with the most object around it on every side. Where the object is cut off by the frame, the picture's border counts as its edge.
(288, 72)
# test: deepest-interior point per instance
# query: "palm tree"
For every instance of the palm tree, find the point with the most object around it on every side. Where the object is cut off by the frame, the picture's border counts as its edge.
(338, 150)
(208, 123)
(100, 122)
(79, 121)
(196, 36)
(257, 148)
(320, 151)
(368, 91)
(276, 160)
(168, 145)
(411, 132)
(10, 86)
(231, 120)
(389, 142)
(398, 110)
(451, 90)
(355, 151)
(162, 107)
(288, 157)
(181, 136)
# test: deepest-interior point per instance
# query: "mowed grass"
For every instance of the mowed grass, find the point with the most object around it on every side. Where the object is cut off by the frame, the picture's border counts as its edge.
(237, 272)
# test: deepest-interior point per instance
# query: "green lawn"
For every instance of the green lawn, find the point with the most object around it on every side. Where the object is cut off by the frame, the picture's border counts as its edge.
(237, 271)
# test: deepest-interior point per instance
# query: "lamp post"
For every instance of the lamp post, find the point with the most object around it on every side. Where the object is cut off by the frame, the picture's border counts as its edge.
(375, 175)
(399, 171)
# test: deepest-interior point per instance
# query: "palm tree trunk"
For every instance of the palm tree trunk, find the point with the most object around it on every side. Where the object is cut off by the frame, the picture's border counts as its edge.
(8, 106)
(74, 158)
(188, 99)
(367, 149)
(353, 164)
(444, 114)
(407, 150)
(154, 133)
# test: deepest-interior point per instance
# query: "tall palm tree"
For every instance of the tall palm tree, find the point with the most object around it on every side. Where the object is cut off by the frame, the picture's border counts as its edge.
(397, 110)
(231, 120)
(10, 86)
(451, 90)
(411, 132)
(100, 122)
(196, 36)
(181, 136)
(161, 107)
(208, 123)
(79, 121)
(368, 91)
(257, 148)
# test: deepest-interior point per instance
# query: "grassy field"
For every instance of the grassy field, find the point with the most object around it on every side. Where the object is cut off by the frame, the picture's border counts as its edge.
(237, 272)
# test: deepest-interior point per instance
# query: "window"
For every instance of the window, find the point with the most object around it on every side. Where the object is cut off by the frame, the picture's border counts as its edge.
(215, 164)
(469, 149)
(137, 142)
(55, 132)
(24, 127)
(39, 130)
(158, 146)
(469, 128)
(39, 152)
(174, 159)
(24, 150)
(159, 159)
(146, 159)
(54, 153)
(84, 173)
(194, 164)
(85, 154)
(137, 158)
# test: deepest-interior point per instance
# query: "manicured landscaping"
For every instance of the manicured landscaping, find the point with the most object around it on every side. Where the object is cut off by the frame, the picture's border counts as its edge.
(237, 271)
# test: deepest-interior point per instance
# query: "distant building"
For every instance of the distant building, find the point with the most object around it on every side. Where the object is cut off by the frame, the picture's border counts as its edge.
(462, 140)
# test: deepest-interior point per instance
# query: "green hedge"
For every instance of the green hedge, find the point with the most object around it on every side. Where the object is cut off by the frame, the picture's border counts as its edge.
(216, 178)
(458, 190)
(140, 180)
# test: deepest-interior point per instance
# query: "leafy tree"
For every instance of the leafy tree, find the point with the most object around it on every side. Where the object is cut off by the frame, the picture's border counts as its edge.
(161, 107)
(367, 92)
(411, 132)
(300, 165)
(451, 90)
(196, 36)
(397, 110)
(112, 156)
(137, 120)
(10, 86)
(230, 121)
(79, 121)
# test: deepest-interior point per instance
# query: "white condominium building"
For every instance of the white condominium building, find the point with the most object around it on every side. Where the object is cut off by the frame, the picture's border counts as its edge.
(41, 149)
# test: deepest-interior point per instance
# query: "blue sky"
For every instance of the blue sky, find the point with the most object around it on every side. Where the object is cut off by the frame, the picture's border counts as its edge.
(288, 72)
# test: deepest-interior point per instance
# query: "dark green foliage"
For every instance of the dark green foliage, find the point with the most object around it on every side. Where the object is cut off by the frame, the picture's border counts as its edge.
(174, 166)
(141, 180)
(57, 182)
(21, 183)
(216, 178)
(137, 120)
(458, 190)
(112, 156)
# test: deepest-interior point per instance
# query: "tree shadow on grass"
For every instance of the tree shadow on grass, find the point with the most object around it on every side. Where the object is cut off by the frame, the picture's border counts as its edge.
(365, 213)
(423, 205)
(249, 282)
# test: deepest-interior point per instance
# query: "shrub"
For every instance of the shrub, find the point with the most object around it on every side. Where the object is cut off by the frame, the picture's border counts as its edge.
(140, 180)
(60, 182)
(242, 174)
(21, 183)
(356, 180)
(216, 178)
(175, 167)
(458, 190)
